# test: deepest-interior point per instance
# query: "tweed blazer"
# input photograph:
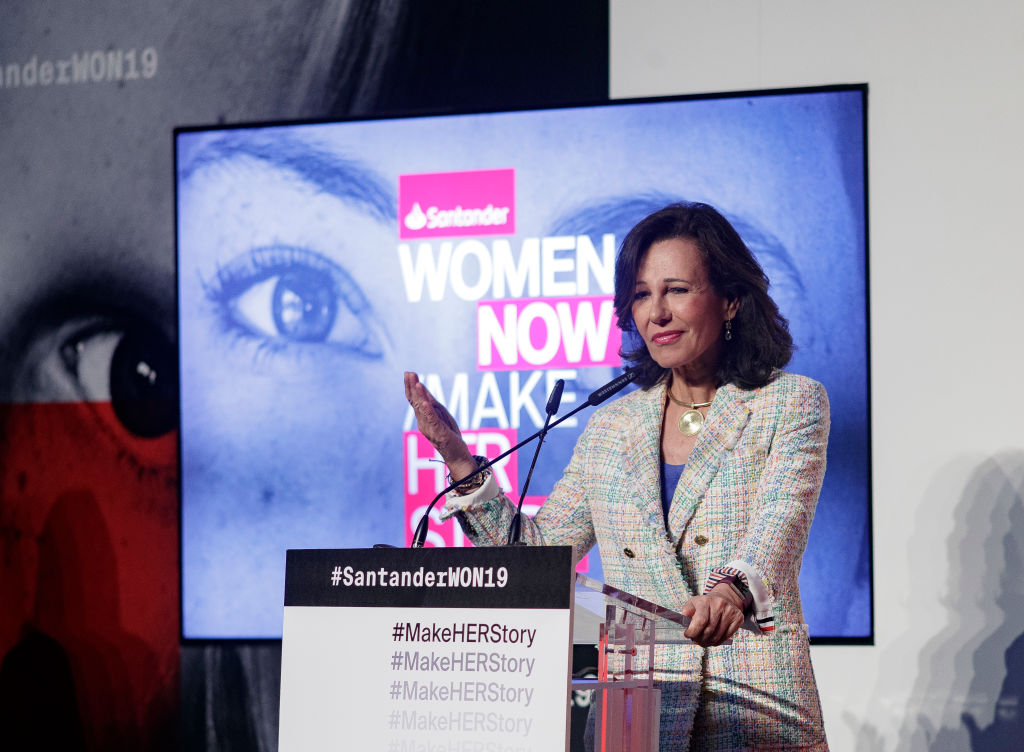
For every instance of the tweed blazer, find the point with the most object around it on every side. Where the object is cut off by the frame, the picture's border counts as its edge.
(747, 494)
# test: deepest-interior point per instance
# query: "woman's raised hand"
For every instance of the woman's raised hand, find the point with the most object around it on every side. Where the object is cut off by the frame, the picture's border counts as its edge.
(439, 427)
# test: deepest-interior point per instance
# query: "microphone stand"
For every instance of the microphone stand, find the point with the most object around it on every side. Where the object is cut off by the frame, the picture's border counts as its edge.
(515, 529)
(596, 398)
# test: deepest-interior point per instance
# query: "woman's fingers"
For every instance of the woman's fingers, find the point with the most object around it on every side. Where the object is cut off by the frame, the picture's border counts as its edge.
(436, 424)
(411, 380)
(429, 412)
(713, 620)
(727, 625)
(698, 617)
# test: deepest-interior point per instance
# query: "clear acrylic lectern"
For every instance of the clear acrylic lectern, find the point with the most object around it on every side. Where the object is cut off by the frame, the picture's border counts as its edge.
(626, 629)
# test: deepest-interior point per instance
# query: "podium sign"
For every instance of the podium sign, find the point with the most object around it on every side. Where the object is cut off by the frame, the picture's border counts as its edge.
(402, 650)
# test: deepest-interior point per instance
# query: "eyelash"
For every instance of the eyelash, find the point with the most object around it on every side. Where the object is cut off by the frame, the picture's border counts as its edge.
(260, 264)
(641, 294)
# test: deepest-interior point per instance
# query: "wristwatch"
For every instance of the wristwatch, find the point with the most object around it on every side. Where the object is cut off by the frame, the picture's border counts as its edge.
(475, 481)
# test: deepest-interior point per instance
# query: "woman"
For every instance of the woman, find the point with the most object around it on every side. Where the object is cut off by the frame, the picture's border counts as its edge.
(698, 489)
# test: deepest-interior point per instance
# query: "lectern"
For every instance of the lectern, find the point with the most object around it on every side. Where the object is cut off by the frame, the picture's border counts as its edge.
(403, 650)
(626, 629)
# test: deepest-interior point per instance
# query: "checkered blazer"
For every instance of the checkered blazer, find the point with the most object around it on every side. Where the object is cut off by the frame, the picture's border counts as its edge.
(748, 493)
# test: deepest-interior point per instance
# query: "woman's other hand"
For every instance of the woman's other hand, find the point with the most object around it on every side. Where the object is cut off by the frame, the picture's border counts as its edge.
(439, 427)
(715, 617)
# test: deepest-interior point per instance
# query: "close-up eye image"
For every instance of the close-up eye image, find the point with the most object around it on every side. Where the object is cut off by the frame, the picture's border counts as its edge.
(282, 295)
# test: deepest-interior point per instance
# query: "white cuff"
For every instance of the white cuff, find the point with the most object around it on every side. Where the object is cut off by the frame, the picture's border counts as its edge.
(455, 503)
(762, 616)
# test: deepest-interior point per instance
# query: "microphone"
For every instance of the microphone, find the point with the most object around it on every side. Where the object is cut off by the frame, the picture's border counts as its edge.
(554, 400)
(515, 529)
(614, 386)
(595, 398)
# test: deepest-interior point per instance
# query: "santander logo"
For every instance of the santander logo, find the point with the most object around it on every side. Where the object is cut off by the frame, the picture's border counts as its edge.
(455, 204)
(416, 219)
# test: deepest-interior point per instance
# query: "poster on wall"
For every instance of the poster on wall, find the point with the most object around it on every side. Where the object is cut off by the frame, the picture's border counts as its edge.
(318, 261)
(90, 93)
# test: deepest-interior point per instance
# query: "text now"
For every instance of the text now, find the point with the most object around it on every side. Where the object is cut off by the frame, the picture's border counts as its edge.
(546, 333)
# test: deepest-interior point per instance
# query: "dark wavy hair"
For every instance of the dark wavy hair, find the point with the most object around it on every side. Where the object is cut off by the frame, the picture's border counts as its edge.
(760, 341)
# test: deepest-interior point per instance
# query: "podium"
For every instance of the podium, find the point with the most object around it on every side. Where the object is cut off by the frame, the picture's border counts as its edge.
(410, 650)
(626, 630)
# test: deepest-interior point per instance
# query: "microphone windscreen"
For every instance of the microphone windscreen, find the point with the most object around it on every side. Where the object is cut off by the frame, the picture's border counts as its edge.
(555, 399)
(602, 393)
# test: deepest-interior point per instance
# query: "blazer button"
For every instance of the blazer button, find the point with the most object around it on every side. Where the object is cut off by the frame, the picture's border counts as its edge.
(629, 552)
(700, 540)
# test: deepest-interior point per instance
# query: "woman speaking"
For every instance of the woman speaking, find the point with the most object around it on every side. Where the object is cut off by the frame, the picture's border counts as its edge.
(698, 489)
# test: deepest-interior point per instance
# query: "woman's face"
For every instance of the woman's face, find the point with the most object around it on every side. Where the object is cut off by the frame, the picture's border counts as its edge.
(675, 308)
(288, 328)
(89, 511)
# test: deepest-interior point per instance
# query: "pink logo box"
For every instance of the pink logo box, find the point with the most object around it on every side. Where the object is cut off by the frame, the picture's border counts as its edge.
(457, 204)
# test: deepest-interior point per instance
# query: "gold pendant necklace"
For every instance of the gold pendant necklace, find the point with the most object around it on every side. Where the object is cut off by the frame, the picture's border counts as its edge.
(691, 421)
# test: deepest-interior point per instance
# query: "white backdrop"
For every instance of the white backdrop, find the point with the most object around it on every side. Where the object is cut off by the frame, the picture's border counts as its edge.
(945, 108)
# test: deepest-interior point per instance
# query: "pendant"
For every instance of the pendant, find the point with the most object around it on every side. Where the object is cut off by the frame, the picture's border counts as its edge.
(690, 423)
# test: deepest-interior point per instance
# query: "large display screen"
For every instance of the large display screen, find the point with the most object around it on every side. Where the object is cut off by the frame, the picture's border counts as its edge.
(317, 262)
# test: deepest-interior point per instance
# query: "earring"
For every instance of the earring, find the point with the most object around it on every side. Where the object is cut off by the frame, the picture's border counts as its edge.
(728, 329)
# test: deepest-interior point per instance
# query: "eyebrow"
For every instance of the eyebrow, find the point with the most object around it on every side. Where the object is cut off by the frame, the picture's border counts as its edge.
(619, 214)
(344, 178)
(615, 215)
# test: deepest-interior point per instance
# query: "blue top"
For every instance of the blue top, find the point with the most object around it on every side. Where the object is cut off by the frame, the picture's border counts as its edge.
(670, 475)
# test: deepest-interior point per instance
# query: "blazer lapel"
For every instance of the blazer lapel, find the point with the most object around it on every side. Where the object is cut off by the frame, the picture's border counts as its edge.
(727, 418)
(642, 453)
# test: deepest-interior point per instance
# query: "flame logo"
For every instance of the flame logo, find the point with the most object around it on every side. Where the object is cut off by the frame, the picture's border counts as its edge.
(415, 219)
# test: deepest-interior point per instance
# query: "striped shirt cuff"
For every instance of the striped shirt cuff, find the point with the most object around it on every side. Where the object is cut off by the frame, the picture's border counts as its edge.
(757, 600)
